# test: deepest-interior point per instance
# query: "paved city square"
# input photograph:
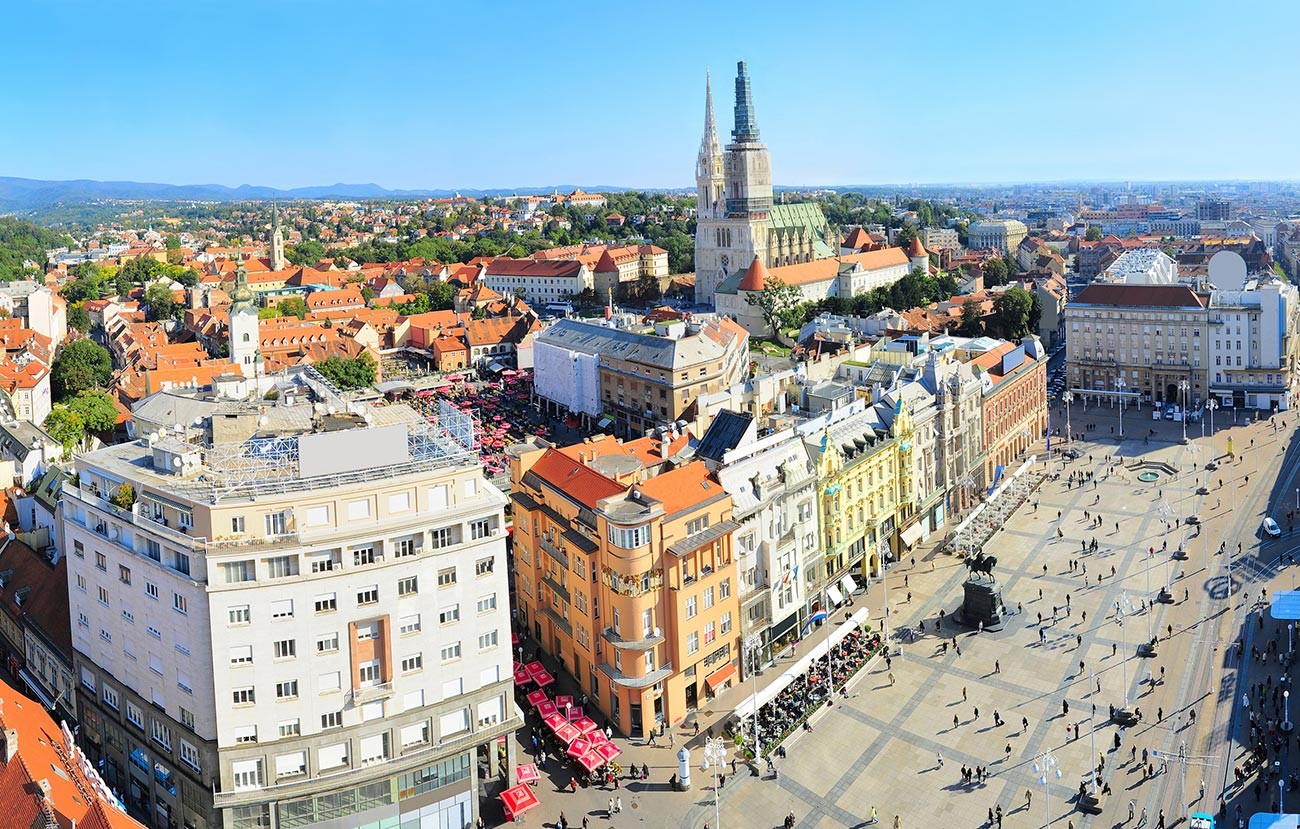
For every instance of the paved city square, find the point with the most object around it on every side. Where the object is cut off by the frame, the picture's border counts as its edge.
(881, 747)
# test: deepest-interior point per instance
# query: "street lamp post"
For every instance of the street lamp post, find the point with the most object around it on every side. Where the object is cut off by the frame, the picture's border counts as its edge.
(1120, 385)
(1183, 387)
(1286, 710)
(1211, 405)
(1068, 397)
(1092, 734)
(715, 752)
(753, 645)
(1045, 766)
(1123, 632)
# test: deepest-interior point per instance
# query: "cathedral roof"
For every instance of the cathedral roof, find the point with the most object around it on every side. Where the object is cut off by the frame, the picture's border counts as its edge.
(755, 277)
(859, 239)
(916, 249)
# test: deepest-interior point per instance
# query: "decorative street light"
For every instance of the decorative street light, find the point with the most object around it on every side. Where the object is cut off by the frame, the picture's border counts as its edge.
(1045, 767)
(1121, 385)
(1286, 710)
(715, 753)
(1122, 608)
(1183, 387)
(1068, 397)
(753, 645)
(1211, 405)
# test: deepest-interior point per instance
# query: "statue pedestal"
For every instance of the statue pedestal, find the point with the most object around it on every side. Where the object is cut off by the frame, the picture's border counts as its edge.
(982, 603)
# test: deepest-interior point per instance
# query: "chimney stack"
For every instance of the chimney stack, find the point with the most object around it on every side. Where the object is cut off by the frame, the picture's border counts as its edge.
(9, 746)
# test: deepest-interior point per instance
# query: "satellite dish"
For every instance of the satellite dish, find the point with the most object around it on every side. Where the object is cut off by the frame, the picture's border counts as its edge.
(176, 462)
(198, 421)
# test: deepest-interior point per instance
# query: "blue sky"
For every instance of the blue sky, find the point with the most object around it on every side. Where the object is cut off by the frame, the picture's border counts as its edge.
(432, 94)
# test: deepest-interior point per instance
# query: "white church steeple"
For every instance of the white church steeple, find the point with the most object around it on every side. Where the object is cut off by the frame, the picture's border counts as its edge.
(708, 166)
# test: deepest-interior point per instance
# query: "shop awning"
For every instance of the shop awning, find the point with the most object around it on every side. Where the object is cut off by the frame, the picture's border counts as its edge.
(720, 676)
(604, 422)
(834, 594)
(850, 586)
(36, 689)
(913, 534)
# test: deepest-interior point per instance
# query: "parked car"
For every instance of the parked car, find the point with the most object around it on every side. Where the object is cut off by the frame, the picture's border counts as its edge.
(1271, 529)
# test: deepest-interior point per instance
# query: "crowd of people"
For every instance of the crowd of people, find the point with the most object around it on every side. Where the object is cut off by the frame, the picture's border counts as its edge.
(798, 700)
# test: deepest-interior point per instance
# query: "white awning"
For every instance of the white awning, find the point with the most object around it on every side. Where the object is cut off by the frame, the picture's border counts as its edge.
(834, 593)
(849, 585)
(913, 534)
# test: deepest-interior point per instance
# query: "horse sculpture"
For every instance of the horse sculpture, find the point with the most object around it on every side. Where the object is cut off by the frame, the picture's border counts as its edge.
(982, 564)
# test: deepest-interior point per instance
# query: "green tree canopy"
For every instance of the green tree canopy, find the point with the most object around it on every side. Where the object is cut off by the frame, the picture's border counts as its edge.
(776, 301)
(81, 365)
(78, 319)
(160, 306)
(307, 252)
(292, 306)
(1092, 234)
(995, 273)
(86, 284)
(1011, 311)
(96, 410)
(972, 321)
(349, 373)
(65, 426)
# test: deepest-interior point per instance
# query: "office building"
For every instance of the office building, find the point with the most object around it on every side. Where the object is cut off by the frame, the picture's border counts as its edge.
(293, 614)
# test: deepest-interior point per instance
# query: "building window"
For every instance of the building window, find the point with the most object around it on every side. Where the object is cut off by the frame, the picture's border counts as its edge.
(362, 556)
(286, 649)
(724, 589)
(190, 756)
(328, 643)
(135, 716)
(180, 604)
(696, 525)
(708, 598)
(450, 652)
(247, 774)
(151, 590)
(481, 528)
(409, 624)
(408, 586)
(693, 642)
(161, 734)
(710, 632)
(446, 576)
(103, 596)
(368, 595)
(282, 609)
(449, 614)
(327, 603)
(276, 523)
(726, 623)
(237, 524)
(487, 604)
(289, 728)
(240, 615)
(280, 567)
(692, 607)
(484, 566)
(287, 689)
(239, 571)
(367, 631)
(101, 562)
(241, 655)
(628, 539)
(404, 547)
(487, 640)
(111, 698)
(412, 663)
(244, 696)
(124, 574)
(326, 561)
(333, 719)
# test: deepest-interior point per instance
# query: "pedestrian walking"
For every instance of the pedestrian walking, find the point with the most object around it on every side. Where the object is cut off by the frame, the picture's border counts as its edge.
(1024, 724)
(963, 693)
(939, 760)
(891, 679)
(997, 666)
(1008, 751)
(610, 811)
(1029, 798)
(618, 804)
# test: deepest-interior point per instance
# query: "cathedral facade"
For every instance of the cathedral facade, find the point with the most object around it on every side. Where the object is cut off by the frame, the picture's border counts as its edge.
(736, 217)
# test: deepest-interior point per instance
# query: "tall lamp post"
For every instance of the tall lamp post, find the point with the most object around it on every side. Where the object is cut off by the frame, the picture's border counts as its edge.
(1068, 397)
(1184, 387)
(1122, 608)
(1045, 767)
(1211, 405)
(715, 753)
(1120, 385)
(753, 645)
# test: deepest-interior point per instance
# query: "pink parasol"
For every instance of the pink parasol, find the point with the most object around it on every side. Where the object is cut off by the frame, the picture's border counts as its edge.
(578, 747)
(536, 698)
(608, 752)
(553, 721)
(543, 679)
(522, 677)
(597, 738)
(563, 701)
(517, 800)
(586, 725)
(590, 761)
(527, 773)
(547, 708)
(567, 733)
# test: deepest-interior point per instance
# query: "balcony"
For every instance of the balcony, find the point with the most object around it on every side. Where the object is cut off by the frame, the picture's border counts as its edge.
(553, 550)
(370, 693)
(644, 644)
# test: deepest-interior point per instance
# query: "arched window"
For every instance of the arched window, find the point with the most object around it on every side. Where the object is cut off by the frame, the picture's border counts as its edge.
(245, 337)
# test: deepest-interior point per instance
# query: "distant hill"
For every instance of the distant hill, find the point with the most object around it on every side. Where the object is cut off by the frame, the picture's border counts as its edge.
(18, 194)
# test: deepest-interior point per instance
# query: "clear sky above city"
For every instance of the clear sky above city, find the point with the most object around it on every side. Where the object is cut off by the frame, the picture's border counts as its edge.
(481, 95)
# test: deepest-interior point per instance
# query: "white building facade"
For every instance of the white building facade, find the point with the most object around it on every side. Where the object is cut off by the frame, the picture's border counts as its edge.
(318, 638)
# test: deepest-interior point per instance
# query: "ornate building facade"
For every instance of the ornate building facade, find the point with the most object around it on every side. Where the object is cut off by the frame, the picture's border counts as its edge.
(737, 219)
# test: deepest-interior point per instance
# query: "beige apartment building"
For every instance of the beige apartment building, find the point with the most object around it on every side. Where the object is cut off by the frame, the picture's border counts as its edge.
(625, 574)
(293, 614)
(1149, 337)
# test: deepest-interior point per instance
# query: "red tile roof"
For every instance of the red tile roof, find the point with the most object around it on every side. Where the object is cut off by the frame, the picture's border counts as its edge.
(579, 482)
(755, 276)
(1162, 296)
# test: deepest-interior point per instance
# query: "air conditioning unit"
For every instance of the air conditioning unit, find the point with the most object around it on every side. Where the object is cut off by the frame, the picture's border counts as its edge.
(658, 632)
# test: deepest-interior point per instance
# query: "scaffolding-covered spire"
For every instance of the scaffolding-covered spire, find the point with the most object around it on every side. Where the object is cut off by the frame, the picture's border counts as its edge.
(746, 129)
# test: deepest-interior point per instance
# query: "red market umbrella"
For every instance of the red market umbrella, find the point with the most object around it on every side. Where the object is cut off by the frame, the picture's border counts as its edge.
(514, 640)
(519, 799)
(578, 747)
(535, 667)
(567, 733)
(536, 698)
(553, 721)
(564, 701)
(543, 679)
(591, 761)
(597, 738)
(527, 773)
(522, 677)
(586, 725)
(608, 752)
(548, 708)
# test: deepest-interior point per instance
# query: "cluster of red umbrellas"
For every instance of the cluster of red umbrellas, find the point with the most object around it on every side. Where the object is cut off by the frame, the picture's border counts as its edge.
(534, 672)
(586, 743)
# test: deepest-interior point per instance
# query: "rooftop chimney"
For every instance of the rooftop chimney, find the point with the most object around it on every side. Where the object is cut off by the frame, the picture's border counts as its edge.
(9, 746)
